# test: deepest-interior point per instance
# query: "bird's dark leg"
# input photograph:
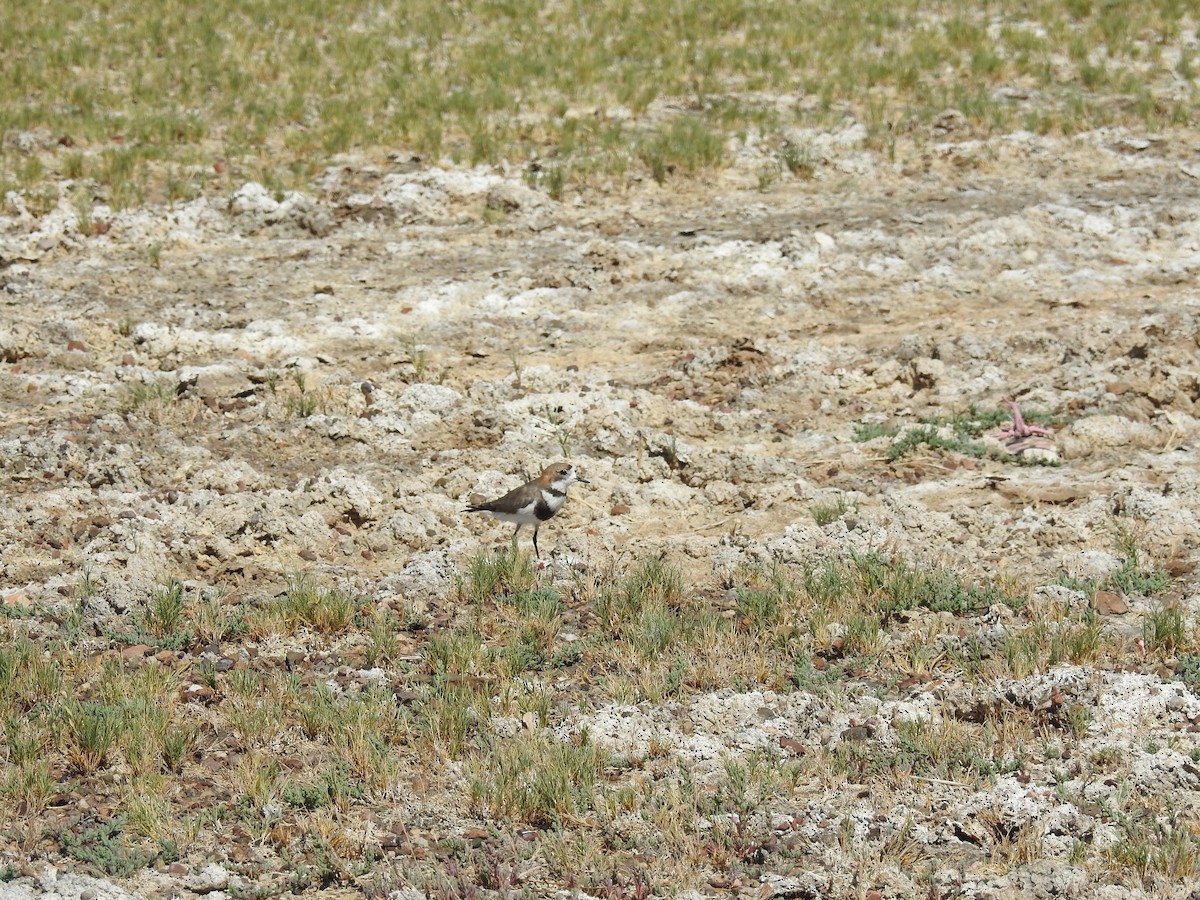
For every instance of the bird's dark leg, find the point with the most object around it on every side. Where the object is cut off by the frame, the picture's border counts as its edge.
(514, 539)
(535, 546)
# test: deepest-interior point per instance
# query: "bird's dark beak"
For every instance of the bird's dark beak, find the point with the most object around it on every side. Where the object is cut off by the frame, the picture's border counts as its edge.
(582, 480)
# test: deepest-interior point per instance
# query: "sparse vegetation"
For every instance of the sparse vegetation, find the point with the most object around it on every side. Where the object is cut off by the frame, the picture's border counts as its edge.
(495, 573)
(652, 637)
(421, 363)
(829, 511)
(101, 847)
(537, 779)
(1133, 576)
(955, 433)
(302, 402)
(273, 93)
(148, 398)
(307, 604)
(209, 653)
(868, 431)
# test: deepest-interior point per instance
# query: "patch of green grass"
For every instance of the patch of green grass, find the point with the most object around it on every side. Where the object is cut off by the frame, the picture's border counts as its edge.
(147, 397)
(829, 511)
(807, 677)
(316, 711)
(542, 603)
(643, 608)
(327, 610)
(333, 786)
(886, 586)
(150, 816)
(760, 609)
(956, 433)
(1024, 650)
(29, 678)
(303, 402)
(929, 436)
(90, 731)
(214, 620)
(530, 639)
(1133, 576)
(178, 743)
(537, 779)
(457, 653)
(653, 580)
(34, 610)
(491, 574)
(1165, 630)
(163, 615)
(1162, 845)
(1078, 642)
(926, 749)
(383, 628)
(450, 716)
(551, 178)
(943, 750)
(688, 144)
(799, 159)
(273, 92)
(102, 847)
(161, 622)
(25, 742)
(653, 629)
(868, 431)
(28, 785)
(421, 363)
(972, 422)
(1188, 669)
(1077, 719)
(863, 635)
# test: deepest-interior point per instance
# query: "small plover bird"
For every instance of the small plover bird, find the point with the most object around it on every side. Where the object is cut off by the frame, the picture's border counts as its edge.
(535, 502)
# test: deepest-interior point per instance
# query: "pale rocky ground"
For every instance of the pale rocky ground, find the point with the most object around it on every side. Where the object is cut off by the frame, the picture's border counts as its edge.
(456, 327)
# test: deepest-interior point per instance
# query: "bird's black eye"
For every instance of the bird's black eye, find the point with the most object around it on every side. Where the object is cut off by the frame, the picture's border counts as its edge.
(564, 472)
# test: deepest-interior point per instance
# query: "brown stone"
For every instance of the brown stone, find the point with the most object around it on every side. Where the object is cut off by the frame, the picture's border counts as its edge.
(197, 693)
(1109, 603)
(792, 746)
(136, 652)
(1176, 567)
